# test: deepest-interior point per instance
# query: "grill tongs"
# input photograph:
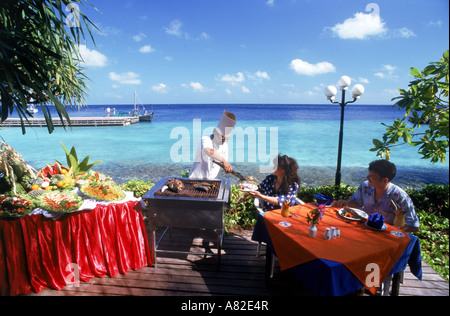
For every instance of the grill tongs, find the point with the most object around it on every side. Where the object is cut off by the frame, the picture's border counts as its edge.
(236, 173)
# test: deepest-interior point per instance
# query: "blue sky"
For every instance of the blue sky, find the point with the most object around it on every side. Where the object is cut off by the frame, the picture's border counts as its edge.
(258, 51)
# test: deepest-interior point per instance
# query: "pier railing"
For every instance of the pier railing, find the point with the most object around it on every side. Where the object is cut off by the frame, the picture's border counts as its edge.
(75, 121)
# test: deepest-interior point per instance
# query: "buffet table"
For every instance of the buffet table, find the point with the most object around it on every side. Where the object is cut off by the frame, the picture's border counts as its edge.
(100, 239)
(338, 266)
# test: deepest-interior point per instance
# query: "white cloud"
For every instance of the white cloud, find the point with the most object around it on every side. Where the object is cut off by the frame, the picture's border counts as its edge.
(363, 80)
(204, 36)
(361, 26)
(168, 58)
(233, 80)
(131, 78)
(196, 86)
(92, 58)
(258, 76)
(270, 3)
(245, 89)
(403, 33)
(139, 37)
(175, 28)
(437, 23)
(160, 88)
(387, 72)
(262, 75)
(305, 68)
(146, 49)
(389, 68)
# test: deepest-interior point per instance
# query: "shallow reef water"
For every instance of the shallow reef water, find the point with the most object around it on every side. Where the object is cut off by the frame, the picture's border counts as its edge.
(310, 176)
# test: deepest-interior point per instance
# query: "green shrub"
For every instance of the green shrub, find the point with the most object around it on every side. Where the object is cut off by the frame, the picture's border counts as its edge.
(241, 212)
(343, 192)
(433, 198)
(139, 187)
(434, 241)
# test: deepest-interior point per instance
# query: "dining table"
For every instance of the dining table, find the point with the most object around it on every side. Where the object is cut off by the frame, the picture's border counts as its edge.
(361, 257)
(53, 250)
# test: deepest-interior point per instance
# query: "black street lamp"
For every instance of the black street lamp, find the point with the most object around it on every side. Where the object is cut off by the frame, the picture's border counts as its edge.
(331, 92)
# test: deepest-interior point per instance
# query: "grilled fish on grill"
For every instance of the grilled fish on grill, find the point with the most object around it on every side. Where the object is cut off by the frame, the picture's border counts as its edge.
(175, 185)
(203, 186)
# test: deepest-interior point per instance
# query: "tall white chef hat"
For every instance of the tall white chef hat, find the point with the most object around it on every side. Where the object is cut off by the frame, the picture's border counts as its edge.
(226, 124)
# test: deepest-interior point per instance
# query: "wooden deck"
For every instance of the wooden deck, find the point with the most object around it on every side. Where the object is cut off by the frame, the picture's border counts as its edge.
(75, 121)
(241, 273)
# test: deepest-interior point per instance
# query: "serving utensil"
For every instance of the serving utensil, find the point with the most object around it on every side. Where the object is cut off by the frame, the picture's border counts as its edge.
(237, 174)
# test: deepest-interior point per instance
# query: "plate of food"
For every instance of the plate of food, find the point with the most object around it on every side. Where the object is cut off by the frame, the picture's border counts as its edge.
(352, 214)
(15, 207)
(103, 191)
(60, 202)
(247, 187)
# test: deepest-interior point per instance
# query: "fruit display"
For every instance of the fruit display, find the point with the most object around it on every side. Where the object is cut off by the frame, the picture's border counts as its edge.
(61, 202)
(52, 188)
(14, 172)
(93, 176)
(16, 206)
(102, 191)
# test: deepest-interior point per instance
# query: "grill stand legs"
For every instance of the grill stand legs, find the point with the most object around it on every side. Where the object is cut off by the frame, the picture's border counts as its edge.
(219, 232)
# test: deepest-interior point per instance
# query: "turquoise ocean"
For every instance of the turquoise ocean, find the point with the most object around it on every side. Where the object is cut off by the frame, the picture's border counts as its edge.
(166, 146)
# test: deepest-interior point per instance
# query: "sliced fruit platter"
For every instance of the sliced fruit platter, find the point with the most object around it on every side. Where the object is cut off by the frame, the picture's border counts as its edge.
(104, 191)
(16, 206)
(60, 202)
(92, 175)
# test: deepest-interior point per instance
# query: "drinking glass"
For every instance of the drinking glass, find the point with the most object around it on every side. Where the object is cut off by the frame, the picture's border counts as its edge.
(399, 221)
(285, 213)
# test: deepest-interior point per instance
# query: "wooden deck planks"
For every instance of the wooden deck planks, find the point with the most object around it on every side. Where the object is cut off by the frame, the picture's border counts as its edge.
(241, 273)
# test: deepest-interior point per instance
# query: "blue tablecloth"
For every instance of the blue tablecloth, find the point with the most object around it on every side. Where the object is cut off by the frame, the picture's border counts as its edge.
(330, 278)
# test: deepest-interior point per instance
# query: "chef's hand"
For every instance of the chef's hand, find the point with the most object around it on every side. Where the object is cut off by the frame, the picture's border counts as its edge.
(227, 167)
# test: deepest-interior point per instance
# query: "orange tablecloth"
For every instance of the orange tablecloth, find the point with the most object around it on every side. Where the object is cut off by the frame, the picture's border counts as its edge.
(357, 247)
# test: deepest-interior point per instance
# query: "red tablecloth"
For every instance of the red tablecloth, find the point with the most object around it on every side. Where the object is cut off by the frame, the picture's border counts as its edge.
(36, 252)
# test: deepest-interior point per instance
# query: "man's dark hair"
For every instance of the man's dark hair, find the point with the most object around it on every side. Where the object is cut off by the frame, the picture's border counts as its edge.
(384, 168)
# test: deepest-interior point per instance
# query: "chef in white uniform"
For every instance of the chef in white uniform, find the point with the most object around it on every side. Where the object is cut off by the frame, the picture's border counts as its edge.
(214, 147)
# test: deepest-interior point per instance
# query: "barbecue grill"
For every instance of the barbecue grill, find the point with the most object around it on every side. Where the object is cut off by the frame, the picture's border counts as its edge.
(188, 208)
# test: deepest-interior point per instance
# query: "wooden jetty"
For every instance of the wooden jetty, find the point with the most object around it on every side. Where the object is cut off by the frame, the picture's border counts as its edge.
(240, 273)
(75, 121)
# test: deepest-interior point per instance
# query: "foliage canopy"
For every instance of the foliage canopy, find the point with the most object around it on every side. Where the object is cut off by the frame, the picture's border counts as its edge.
(425, 103)
(40, 57)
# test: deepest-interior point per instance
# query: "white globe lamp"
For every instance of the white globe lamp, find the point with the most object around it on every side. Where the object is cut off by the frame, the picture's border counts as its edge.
(330, 92)
(358, 91)
(345, 82)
